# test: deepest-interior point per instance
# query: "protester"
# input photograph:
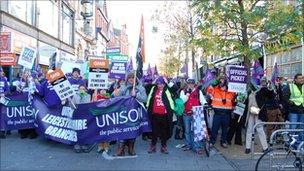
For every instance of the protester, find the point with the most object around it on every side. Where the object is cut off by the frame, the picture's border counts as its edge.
(255, 115)
(160, 107)
(147, 83)
(23, 85)
(100, 95)
(191, 97)
(76, 80)
(223, 103)
(81, 97)
(236, 123)
(48, 94)
(294, 96)
(139, 93)
(4, 89)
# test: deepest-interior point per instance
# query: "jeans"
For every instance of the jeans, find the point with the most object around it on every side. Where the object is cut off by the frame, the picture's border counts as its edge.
(221, 119)
(294, 117)
(189, 134)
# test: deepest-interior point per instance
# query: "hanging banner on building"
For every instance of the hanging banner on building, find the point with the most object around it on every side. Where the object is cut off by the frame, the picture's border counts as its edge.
(27, 57)
(8, 59)
(5, 42)
(60, 83)
(98, 74)
(118, 70)
(114, 119)
(237, 79)
(16, 112)
(117, 58)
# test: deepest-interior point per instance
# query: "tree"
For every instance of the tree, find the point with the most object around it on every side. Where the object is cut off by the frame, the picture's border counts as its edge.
(177, 19)
(236, 26)
(170, 64)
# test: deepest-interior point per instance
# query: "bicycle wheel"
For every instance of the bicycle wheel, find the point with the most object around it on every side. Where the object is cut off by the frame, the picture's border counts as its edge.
(277, 159)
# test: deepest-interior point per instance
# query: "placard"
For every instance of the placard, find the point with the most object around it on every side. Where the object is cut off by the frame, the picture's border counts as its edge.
(118, 70)
(60, 83)
(27, 57)
(98, 74)
(237, 79)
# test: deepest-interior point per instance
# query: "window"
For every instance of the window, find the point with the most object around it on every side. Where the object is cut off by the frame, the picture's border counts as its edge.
(48, 17)
(296, 54)
(296, 68)
(67, 34)
(25, 11)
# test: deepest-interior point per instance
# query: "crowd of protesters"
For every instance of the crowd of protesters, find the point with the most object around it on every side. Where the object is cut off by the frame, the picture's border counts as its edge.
(169, 103)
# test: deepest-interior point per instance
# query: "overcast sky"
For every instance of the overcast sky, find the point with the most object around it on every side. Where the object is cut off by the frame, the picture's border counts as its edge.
(129, 12)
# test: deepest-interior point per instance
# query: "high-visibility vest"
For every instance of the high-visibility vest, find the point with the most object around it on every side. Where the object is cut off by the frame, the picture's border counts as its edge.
(219, 96)
(295, 95)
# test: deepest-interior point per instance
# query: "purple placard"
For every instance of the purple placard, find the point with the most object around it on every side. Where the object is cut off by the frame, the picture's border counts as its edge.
(118, 70)
(238, 75)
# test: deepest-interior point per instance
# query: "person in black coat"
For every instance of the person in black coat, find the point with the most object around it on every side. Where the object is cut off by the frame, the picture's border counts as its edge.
(160, 107)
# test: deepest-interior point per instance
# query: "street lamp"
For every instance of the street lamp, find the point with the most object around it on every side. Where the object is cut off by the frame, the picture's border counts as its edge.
(87, 8)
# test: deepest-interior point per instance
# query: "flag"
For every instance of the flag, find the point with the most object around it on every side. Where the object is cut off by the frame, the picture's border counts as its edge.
(208, 79)
(184, 69)
(140, 54)
(149, 71)
(257, 73)
(129, 67)
(275, 74)
(155, 71)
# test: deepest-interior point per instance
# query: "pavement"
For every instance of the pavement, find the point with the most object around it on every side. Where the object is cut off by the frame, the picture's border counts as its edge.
(41, 154)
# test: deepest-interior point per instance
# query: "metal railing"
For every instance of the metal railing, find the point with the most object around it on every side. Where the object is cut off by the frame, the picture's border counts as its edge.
(273, 133)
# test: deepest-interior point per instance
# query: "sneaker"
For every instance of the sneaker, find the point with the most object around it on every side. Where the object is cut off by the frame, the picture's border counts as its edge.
(164, 149)
(199, 152)
(152, 149)
(247, 151)
(224, 145)
(186, 148)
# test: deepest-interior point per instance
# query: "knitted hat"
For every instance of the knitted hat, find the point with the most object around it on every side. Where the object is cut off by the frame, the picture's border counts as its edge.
(76, 70)
(160, 80)
(190, 81)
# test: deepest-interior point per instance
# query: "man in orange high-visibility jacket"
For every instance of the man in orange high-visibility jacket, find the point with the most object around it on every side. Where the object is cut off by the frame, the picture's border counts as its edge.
(223, 103)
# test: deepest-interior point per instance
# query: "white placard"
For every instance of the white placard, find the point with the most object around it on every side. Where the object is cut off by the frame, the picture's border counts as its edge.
(239, 109)
(237, 87)
(98, 80)
(27, 57)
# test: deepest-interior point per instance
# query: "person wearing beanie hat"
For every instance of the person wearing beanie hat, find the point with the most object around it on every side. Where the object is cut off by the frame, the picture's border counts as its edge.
(76, 80)
(160, 105)
(139, 93)
(191, 97)
(223, 102)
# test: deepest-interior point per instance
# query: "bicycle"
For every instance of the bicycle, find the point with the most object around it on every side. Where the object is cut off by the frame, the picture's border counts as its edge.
(290, 156)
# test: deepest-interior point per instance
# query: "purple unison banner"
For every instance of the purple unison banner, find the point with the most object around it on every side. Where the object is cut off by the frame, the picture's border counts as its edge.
(237, 79)
(118, 70)
(17, 113)
(114, 119)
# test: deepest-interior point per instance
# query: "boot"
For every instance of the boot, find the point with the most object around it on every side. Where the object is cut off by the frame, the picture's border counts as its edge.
(152, 149)
(131, 150)
(121, 149)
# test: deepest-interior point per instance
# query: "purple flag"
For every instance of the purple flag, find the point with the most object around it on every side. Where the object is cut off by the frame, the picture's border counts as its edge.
(149, 70)
(129, 66)
(208, 78)
(275, 73)
(257, 73)
(184, 69)
(155, 71)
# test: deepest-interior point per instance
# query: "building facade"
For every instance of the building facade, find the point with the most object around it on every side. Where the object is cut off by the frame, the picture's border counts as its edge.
(119, 39)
